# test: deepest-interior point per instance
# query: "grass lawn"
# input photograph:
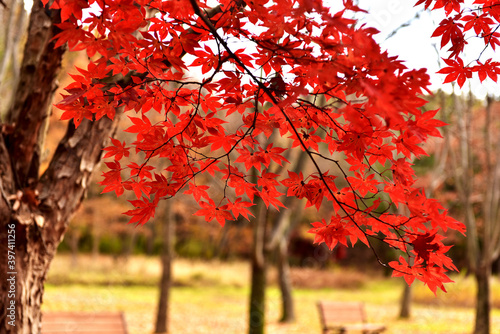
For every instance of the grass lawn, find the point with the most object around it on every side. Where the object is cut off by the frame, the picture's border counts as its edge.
(212, 298)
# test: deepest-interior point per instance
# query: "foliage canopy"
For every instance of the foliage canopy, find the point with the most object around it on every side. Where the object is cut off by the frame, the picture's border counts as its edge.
(263, 69)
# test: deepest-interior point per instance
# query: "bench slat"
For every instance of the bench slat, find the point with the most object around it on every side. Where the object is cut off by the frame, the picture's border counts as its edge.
(83, 323)
(343, 317)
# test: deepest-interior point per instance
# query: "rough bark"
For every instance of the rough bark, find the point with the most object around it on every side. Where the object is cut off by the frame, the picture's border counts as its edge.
(33, 96)
(40, 228)
(168, 238)
(35, 210)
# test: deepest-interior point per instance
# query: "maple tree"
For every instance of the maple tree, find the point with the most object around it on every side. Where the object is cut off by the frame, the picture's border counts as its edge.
(263, 67)
(224, 77)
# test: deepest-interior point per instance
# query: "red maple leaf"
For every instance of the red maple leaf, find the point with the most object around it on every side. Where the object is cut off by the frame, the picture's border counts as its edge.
(330, 233)
(143, 212)
(198, 192)
(424, 244)
(240, 207)
(112, 179)
(456, 71)
(118, 150)
(210, 211)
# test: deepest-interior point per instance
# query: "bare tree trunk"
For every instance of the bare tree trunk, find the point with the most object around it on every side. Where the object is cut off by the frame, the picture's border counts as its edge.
(40, 226)
(278, 240)
(483, 304)
(285, 284)
(482, 242)
(256, 321)
(257, 297)
(405, 311)
(34, 210)
(167, 221)
(220, 249)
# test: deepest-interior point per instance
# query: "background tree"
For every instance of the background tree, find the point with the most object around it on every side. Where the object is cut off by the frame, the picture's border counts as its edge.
(167, 223)
(14, 20)
(475, 174)
(433, 174)
(269, 234)
(475, 27)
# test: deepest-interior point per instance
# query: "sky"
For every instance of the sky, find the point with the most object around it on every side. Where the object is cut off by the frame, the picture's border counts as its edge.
(414, 44)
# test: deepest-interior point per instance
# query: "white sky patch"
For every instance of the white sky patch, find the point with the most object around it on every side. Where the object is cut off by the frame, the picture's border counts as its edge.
(27, 5)
(414, 44)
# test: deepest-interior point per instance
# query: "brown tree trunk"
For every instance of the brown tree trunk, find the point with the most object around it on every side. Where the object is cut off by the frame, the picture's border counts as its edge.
(128, 245)
(23, 270)
(256, 320)
(483, 305)
(285, 284)
(405, 311)
(39, 225)
(257, 297)
(167, 221)
(34, 210)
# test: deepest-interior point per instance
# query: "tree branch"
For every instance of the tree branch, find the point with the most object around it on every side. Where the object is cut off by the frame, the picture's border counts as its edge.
(33, 95)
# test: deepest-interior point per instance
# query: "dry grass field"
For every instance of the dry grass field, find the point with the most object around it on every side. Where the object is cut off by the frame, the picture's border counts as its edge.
(211, 297)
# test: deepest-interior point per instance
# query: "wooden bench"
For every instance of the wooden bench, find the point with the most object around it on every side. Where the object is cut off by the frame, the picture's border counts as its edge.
(84, 323)
(346, 317)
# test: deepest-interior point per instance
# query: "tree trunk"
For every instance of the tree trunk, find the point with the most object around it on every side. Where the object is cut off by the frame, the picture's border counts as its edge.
(283, 225)
(288, 310)
(483, 305)
(22, 277)
(257, 297)
(256, 321)
(34, 210)
(405, 312)
(39, 224)
(167, 221)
